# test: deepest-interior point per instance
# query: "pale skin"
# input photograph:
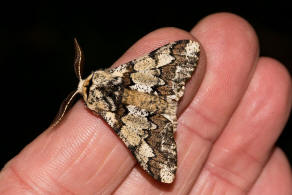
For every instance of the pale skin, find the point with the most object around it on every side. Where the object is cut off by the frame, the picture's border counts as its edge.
(233, 111)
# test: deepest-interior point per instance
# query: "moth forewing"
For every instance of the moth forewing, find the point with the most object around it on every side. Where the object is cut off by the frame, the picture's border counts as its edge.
(139, 101)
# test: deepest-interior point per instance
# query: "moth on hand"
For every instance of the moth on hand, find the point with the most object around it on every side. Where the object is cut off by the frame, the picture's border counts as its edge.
(139, 101)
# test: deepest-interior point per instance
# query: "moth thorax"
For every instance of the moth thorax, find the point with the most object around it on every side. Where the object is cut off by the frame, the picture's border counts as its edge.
(103, 91)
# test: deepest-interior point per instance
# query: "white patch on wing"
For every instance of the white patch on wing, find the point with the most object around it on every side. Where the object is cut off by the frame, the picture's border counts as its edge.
(192, 48)
(119, 71)
(141, 88)
(138, 111)
(166, 174)
(110, 118)
(164, 59)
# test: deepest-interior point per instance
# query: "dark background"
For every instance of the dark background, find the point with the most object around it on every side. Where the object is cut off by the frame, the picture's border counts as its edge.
(37, 54)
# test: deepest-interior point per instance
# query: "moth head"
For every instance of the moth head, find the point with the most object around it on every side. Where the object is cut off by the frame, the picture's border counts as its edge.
(100, 90)
(102, 83)
(95, 88)
(84, 86)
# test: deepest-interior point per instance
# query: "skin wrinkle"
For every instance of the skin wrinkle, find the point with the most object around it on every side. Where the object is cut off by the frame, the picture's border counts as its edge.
(35, 187)
(49, 136)
(193, 170)
(211, 136)
(22, 181)
(206, 186)
(242, 152)
(213, 188)
(263, 165)
(42, 151)
(277, 166)
(104, 163)
(108, 190)
(38, 188)
(78, 159)
(200, 185)
(81, 155)
(184, 187)
(122, 181)
(60, 187)
(198, 112)
(66, 154)
(88, 146)
(195, 132)
(125, 163)
(186, 154)
(253, 158)
(211, 168)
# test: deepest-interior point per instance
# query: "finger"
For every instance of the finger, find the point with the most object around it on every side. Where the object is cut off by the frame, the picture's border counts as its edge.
(231, 48)
(82, 154)
(276, 177)
(242, 150)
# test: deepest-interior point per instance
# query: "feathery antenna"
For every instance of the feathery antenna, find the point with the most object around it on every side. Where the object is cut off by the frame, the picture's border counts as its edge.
(68, 102)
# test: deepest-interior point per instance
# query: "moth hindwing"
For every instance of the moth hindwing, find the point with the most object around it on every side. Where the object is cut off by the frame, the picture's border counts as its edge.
(139, 101)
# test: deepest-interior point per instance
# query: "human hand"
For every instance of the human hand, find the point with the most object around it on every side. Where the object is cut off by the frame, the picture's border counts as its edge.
(233, 110)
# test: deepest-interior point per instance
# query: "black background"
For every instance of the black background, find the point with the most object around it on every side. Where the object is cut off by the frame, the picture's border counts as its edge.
(37, 53)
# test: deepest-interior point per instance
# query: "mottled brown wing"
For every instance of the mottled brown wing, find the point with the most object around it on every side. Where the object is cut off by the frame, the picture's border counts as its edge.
(150, 100)
(145, 104)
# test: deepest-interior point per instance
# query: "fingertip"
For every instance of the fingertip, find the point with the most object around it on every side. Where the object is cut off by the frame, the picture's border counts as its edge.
(278, 69)
(233, 30)
(274, 80)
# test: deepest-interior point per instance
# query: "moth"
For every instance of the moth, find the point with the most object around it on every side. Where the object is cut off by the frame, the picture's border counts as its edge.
(139, 99)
